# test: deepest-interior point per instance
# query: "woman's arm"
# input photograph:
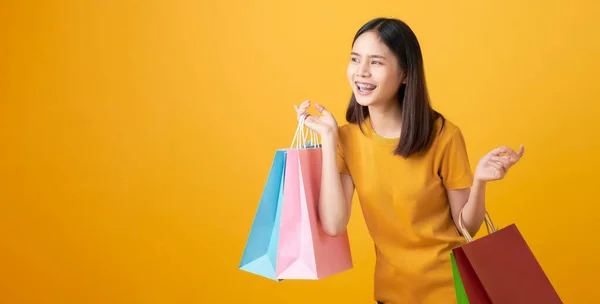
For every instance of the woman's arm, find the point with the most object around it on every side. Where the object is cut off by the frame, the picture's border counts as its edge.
(493, 166)
(472, 203)
(336, 189)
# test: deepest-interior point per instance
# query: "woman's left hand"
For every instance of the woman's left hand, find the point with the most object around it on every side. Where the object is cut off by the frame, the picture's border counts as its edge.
(495, 164)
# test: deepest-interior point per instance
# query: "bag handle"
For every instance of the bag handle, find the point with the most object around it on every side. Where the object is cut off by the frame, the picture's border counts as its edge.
(488, 224)
(302, 135)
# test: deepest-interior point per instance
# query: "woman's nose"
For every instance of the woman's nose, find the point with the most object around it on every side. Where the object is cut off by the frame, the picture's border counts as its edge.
(363, 71)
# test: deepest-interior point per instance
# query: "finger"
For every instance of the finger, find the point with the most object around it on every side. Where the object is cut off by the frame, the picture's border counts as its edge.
(304, 108)
(499, 150)
(514, 157)
(505, 160)
(299, 110)
(521, 151)
(504, 167)
(303, 114)
(309, 121)
(498, 166)
(321, 109)
(504, 151)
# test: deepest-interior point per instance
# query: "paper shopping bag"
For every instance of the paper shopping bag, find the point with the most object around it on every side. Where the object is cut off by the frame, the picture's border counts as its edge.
(461, 294)
(260, 254)
(305, 251)
(501, 268)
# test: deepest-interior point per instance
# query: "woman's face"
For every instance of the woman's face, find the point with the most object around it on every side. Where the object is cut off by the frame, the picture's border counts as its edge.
(373, 71)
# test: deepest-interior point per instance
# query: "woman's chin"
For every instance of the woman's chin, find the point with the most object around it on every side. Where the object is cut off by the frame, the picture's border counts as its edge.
(364, 101)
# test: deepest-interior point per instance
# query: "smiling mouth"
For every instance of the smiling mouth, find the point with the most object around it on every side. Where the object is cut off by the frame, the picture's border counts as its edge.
(365, 88)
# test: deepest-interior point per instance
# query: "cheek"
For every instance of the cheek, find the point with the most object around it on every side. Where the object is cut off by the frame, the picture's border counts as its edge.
(350, 72)
(389, 82)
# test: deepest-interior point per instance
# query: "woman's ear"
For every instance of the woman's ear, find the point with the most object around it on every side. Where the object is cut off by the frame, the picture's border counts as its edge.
(403, 75)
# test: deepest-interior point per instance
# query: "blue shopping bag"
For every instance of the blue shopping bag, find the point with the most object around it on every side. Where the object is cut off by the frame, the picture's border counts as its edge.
(260, 254)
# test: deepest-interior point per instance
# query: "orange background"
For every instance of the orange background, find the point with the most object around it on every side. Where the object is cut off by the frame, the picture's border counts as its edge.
(137, 136)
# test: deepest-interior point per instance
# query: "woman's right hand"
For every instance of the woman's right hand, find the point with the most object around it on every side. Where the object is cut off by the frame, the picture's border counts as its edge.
(323, 124)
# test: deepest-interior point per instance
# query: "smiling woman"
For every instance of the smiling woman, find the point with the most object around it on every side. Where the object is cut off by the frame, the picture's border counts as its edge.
(381, 62)
(136, 138)
(408, 164)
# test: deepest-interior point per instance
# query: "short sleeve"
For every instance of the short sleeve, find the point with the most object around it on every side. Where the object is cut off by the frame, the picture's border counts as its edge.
(455, 169)
(341, 161)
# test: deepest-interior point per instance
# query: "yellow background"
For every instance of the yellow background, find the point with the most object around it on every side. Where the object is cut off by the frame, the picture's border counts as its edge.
(136, 136)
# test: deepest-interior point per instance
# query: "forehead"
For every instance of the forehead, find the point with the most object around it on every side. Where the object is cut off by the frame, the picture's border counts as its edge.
(369, 43)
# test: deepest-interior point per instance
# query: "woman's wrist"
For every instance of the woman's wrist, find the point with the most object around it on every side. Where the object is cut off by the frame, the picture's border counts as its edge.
(329, 136)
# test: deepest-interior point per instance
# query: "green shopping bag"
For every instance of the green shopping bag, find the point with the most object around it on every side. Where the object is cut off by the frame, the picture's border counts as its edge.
(461, 294)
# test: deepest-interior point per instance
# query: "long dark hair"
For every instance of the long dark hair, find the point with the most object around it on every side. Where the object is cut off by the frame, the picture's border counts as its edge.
(418, 117)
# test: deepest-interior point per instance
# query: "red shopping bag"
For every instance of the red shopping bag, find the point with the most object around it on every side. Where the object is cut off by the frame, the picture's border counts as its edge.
(501, 268)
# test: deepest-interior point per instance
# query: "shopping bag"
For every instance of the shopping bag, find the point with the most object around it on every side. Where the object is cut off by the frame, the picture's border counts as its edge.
(461, 294)
(260, 254)
(305, 251)
(501, 268)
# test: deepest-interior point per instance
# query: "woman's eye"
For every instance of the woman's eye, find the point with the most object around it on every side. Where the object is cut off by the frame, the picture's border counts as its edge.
(354, 59)
(375, 62)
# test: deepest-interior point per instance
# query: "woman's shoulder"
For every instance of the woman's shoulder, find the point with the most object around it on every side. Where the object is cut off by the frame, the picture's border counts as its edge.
(446, 129)
(348, 129)
(443, 124)
(350, 134)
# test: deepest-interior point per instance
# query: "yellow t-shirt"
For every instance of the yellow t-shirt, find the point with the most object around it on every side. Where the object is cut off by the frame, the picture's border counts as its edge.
(406, 209)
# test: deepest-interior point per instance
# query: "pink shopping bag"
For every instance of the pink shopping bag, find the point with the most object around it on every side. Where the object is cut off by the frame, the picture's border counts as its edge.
(304, 250)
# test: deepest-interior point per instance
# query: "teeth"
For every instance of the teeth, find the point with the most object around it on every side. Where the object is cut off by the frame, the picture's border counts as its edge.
(365, 86)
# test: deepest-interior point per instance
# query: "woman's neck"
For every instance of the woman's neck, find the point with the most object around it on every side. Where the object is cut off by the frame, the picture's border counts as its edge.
(386, 120)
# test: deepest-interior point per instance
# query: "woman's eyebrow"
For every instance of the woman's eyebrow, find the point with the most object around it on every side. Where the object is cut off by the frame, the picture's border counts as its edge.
(372, 56)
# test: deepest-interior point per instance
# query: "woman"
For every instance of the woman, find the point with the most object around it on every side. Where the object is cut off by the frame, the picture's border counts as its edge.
(408, 164)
